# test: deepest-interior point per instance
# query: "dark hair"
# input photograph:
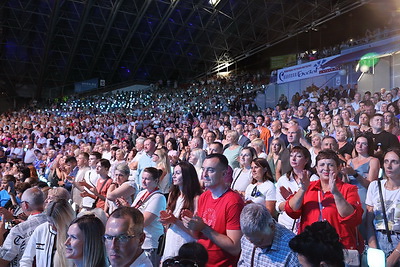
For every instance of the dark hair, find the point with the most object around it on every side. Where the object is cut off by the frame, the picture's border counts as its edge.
(263, 163)
(319, 237)
(70, 159)
(132, 213)
(370, 142)
(222, 159)
(22, 187)
(154, 172)
(394, 150)
(194, 251)
(252, 151)
(377, 115)
(173, 143)
(105, 163)
(85, 155)
(328, 154)
(219, 144)
(306, 154)
(190, 189)
(185, 142)
(214, 135)
(396, 109)
(319, 125)
(9, 178)
(96, 154)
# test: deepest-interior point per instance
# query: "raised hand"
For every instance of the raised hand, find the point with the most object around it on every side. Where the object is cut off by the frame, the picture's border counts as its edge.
(195, 223)
(167, 217)
(332, 182)
(121, 202)
(285, 192)
(304, 180)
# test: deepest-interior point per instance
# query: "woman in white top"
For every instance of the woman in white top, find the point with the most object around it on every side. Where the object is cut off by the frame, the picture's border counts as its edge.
(150, 201)
(259, 145)
(196, 158)
(122, 187)
(275, 151)
(262, 189)
(183, 196)
(242, 176)
(160, 157)
(45, 247)
(289, 183)
(376, 229)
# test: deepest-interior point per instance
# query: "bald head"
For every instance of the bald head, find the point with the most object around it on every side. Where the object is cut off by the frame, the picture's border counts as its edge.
(34, 197)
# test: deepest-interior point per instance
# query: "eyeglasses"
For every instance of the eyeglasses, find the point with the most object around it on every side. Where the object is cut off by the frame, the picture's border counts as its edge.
(119, 238)
(255, 192)
(179, 263)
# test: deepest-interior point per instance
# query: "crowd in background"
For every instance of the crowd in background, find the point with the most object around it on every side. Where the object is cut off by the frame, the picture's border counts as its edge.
(314, 157)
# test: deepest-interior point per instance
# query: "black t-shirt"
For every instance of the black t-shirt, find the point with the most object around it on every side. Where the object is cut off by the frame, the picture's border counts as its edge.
(386, 140)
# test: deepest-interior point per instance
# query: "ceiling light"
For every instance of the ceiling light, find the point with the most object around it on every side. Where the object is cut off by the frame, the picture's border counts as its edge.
(214, 2)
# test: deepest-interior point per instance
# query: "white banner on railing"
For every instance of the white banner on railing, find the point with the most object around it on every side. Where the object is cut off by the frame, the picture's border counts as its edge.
(306, 70)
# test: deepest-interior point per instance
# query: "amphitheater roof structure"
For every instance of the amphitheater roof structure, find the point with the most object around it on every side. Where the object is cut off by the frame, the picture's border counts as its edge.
(53, 43)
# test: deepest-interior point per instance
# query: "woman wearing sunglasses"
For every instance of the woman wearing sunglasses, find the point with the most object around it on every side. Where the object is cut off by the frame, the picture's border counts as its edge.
(289, 183)
(262, 189)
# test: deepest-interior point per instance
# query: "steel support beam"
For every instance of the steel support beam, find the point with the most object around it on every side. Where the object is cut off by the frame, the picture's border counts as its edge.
(50, 35)
(128, 39)
(104, 36)
(77, 38)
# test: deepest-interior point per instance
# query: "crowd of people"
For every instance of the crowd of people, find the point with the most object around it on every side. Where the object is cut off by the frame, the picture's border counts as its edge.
(201, 176)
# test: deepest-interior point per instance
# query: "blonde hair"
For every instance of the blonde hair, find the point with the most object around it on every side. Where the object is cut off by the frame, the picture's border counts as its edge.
(61, 214)
(200, 155)
(281, 142)
(234, 135)
(258, 142)
(163, 160)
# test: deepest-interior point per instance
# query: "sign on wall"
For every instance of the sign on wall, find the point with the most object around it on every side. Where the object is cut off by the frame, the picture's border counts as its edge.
(306, 70)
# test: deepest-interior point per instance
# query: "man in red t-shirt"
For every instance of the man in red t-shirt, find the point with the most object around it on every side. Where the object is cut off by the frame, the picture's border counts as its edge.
(217, 220)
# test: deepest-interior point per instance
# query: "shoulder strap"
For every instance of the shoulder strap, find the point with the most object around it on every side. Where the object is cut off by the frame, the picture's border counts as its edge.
(237, 177)
(384, 210)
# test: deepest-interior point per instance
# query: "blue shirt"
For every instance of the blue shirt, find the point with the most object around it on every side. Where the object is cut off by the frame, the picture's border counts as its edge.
(4, 197)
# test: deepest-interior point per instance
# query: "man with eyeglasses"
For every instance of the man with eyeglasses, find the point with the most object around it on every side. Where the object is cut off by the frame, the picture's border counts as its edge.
(13, 247)
(124, 238)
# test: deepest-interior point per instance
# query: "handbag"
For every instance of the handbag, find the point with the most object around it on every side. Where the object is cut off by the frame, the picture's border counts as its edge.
(351, 256)
(384, 211)
(161, 245)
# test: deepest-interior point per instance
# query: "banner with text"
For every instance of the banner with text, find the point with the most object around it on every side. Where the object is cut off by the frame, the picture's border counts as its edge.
(306, 70)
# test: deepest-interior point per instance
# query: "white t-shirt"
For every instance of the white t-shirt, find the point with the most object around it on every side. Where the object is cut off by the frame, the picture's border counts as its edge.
(91, 177)
(241, 179)
(154, 204)
(392, 206)
(264, 192)
(292, 185)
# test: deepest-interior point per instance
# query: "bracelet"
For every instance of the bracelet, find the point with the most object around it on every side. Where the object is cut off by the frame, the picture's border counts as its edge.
(398, 251)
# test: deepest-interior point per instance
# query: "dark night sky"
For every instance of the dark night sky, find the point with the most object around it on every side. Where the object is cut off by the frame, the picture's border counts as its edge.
(349, 25)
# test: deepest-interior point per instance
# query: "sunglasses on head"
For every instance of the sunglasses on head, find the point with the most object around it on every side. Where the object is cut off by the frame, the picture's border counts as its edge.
(179, 263)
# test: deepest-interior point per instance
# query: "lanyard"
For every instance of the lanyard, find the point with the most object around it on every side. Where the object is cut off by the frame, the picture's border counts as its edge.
(252, 257)
(320, 219)
(144, 198)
